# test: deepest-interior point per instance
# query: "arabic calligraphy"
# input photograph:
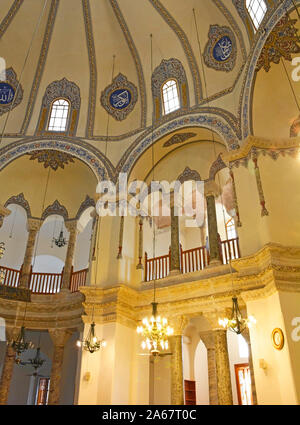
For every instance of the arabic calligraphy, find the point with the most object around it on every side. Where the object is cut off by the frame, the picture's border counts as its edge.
(222, 49)
(120, 98)
(7, 93)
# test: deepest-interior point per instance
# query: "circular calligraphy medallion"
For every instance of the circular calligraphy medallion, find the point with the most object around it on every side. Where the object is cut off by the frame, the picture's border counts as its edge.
(120, 98)
(7, 93)
(222, 49)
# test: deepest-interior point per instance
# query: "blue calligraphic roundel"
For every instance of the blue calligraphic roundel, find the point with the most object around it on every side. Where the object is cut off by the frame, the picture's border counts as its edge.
(120, 98)
(222, 49)
(7, 93)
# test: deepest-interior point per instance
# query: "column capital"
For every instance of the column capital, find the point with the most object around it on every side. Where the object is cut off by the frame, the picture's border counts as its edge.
(3, 213)
(207, 337)
(33, 224)
(211, 188)
(213, 318)
(71, 226)
(178, 323)
(60, 336)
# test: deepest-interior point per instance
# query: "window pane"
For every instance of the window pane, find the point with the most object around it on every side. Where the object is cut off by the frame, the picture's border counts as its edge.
(59, 115)
(257, 10)
(170, 96)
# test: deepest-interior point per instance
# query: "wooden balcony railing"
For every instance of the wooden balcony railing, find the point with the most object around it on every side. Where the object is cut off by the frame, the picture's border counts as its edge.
(191, 260)
(44, 283)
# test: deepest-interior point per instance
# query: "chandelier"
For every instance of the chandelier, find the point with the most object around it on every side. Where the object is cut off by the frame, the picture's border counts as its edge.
(61, 240)
(237, 323)
(36, 362)
(92, 343)
(20, 344)
(155, 332)
(2, 249)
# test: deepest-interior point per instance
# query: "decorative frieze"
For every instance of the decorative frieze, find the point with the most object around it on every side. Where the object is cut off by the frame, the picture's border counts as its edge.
(221, 50)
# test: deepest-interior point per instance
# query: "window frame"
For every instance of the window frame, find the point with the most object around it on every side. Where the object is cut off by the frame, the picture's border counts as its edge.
(50, 114)
(162, 96)
(256, 28)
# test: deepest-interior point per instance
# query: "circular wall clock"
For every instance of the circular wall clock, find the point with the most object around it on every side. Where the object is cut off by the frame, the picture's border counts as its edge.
(277, 338)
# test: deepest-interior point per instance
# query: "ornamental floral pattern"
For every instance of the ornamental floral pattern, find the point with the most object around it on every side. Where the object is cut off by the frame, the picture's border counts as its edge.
(119, 98)
(283, 41)
(52, 158)
(221, 49)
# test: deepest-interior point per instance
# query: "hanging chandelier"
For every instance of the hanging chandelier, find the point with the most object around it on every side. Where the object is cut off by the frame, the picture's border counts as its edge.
(155, 332)
(20, 344)
(92, 343)
(36, 362)
(2, 249)
(61, 240)
(237, 323)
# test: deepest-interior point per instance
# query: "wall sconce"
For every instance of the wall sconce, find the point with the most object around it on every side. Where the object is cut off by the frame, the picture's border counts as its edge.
(87, 376)
(263, 365)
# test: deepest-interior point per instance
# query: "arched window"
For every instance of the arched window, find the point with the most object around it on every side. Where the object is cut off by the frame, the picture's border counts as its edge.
(170, 96)
(257, 10)
(230, 229)
(59, 115)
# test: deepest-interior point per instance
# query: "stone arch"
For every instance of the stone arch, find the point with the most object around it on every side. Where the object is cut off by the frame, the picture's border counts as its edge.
(94, 159)
(21, 201)
(271, 20)
(188, 174)
(87, 203)
(210, 119)
(55, 209)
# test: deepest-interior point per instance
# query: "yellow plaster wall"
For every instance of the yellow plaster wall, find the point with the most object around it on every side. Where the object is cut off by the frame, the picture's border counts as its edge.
(69, 185)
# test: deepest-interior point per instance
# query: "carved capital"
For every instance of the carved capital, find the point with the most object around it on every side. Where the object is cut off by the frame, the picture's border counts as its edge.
(60, 336)
(71, 226)
(179, 323)
(208, 339)
(211, 188)
(33, 225)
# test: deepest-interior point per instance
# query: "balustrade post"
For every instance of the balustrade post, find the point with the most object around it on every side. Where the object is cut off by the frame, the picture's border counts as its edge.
(33, 226)
(146, 267)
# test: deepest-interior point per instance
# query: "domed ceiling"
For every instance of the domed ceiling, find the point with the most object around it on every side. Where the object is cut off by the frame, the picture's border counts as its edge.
(91, 48)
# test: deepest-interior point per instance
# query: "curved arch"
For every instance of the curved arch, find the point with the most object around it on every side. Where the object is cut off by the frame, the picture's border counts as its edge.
(57, 209)
(87, 203)
(248, 85)
(21, 201)
(208, 119)
(94, 159)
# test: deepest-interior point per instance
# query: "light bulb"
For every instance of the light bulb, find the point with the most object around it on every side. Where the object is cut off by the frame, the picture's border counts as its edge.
(78, 343)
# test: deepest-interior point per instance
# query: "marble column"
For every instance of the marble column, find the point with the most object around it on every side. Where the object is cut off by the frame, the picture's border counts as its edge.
(208, 340)
(33, 226)
(59, 338)
(72, 229)
(246, 335)
(141, 243)
(177, 395)
(222, 367)
(175, 242)
(8, 367)
(211, 191)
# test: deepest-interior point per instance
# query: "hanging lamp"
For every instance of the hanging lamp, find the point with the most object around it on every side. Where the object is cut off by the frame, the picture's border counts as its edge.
(236, 323)
(155, 331)
(37, 361)
(92, 343)
(61, 240)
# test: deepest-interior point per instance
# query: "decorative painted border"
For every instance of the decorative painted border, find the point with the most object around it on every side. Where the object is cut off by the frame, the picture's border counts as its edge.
(215, 34)
(87, 203)
(185, 45)
(21, 201)
(100, 165)
(40, 66)
(119, 82)
(207, 120)
(10, 16)
(188, 174)
(247, 90)
(55, 208)
(136, 59)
